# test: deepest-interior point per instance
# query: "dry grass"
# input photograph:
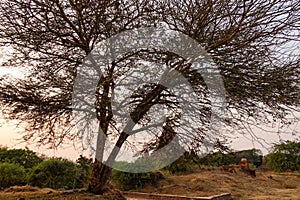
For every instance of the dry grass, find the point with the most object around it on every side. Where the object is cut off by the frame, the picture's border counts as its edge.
(267, 185)
(29, 192)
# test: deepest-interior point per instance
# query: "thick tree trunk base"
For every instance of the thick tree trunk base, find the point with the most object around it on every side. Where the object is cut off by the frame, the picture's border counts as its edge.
(100, 178)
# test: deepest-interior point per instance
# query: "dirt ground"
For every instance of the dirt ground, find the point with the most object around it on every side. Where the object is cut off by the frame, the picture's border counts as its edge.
(266, 186)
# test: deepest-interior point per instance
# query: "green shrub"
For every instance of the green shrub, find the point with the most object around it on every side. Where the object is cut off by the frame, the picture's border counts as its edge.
(23, 157)
(252, 166)
(217, 159)
(127, 181)
(184, 164)
(280, 162)
(285, 157)
(55, 173)
(84, 166)
(12, 174)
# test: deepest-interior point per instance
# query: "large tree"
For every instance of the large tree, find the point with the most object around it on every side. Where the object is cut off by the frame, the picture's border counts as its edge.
(250, 41)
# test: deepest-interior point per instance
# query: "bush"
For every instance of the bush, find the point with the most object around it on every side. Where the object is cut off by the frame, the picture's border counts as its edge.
(181, 166)
(55, 173)
(285, 157)
(12, 174)
(23, 157)
(184, 164)
(216, 159)
(84, 166)
(127, 181)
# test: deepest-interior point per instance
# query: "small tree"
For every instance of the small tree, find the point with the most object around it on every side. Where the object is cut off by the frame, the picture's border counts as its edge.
(284, 157)
(55, 173)
(23, 157)
(11, 174)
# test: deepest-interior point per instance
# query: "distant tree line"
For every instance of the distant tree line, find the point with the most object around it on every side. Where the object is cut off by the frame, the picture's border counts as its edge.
(284, 156)
(253, 156)
(23, 166)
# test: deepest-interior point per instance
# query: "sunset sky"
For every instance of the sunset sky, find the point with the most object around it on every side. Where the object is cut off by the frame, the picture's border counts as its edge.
(9, 137)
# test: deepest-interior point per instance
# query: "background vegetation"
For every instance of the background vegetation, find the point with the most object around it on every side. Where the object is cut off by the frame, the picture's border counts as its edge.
(12, 174)
(217, 159)
(23, 166)
(285, 157)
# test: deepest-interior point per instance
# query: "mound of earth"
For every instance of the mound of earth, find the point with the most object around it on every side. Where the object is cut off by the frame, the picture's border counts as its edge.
(267, 185)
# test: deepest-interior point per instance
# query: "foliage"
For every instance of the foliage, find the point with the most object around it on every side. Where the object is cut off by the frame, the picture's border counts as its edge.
(184, 164)
(84, 166)
(23, 157)
(254, 156)
(285, 157)
(216, 159)
(55, 173)
(19, 166)
(12, 174)
(127, 181)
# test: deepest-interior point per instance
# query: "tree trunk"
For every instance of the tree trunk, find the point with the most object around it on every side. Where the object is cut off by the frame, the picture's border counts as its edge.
(99, 178)
(101, 172)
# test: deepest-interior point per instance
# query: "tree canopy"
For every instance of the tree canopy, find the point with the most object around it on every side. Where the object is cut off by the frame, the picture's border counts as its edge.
(250, 41)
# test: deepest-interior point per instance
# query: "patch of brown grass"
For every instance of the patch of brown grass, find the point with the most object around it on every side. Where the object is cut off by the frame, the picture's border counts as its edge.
(267, 185)
(290, 184)
(26, 188)
(29, 192)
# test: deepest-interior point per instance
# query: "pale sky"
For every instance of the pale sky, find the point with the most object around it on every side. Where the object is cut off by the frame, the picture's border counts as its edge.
(10, 137)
